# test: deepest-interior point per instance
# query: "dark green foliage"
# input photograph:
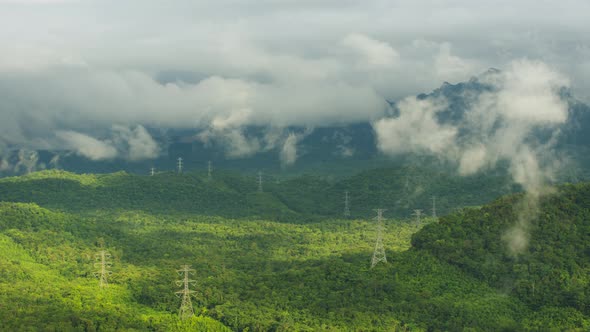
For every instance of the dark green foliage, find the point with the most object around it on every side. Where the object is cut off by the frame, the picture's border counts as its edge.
(304, 198)
(251, 274)
(259, 275)
(551, 271)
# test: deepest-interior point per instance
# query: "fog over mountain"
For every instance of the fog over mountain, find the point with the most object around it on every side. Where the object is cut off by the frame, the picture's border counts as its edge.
(106, 81)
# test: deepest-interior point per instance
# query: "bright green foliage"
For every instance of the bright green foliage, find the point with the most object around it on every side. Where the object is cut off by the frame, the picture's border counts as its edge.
(251, 274)
(257, 274)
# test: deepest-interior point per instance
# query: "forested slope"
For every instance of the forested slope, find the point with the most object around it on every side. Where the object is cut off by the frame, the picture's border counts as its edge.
(553, 269)
(261, 275)
(304, 198)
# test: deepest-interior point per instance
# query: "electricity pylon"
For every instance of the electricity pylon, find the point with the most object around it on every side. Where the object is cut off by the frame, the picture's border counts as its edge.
(103, 258)
(259, 182)
(209, 169)
(418, 214)
(179, 164)
(346, 205)
(379, 253)
(186, 307)
(152, 171)
(434, 207)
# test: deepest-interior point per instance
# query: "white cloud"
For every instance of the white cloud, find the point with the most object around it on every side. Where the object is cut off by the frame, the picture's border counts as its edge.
(415, 130)
(376, 53)
(136, 144)
(94, 62)
(450, 67)
(133, 144)
(529, 94)
(499, 125)
(87, 146)
(28, 161)
(25, 2)
(288, 154)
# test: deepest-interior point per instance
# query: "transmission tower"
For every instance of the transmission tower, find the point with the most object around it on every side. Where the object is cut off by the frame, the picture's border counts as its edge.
(434, 207)
(260, 182)
(346, 205)
(179, 164)
(209, 169)
(152, 171)
(186, 307)
(379, 253)
(418, 214)
(103, 262)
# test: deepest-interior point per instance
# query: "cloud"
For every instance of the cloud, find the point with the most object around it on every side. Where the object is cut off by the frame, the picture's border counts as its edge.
(28, 2)
(529, 94)
(99, 64)
(54, 162)
(451, 67)
(136, 143)
(28, 161)
(342, 141)
(133, 144)
(90, 101)
(87, 146)
(502, 124)
(232, 140)
(498, 125)
(375, 52)
(525, 98)
(288, 154)
(415, 129)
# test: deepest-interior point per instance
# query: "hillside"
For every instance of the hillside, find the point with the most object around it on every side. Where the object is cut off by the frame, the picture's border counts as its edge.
(227, 194)
(554, 269)
(262, 275)
(254, 274)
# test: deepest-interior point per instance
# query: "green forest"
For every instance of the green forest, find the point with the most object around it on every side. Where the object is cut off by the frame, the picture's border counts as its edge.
(285, 259)
(304, 198)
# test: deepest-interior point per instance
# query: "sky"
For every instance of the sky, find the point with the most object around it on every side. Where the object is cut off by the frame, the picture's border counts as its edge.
(91, 75)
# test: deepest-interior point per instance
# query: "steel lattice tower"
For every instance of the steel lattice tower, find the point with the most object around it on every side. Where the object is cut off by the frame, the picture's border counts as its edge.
(346, 205)
(434, 207)
(209, 169)
(260, 182)
(418, 214)
(103, 258)
(152, 171)
(186, 307)
(379, 253)
(179, 164)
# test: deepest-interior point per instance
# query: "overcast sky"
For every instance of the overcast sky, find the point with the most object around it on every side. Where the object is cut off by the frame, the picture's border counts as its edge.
(80, 67)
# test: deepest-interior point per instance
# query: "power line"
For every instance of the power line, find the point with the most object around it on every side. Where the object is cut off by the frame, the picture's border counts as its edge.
(186, 307)
(379, 252)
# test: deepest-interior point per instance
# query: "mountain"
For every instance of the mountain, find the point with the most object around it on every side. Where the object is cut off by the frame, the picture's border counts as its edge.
(552, 271)
(340, 150)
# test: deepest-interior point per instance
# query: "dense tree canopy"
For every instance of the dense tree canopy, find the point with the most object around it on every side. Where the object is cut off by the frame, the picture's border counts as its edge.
(265, 274)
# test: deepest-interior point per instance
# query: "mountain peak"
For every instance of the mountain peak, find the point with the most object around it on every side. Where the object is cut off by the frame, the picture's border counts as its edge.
(491, 71)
